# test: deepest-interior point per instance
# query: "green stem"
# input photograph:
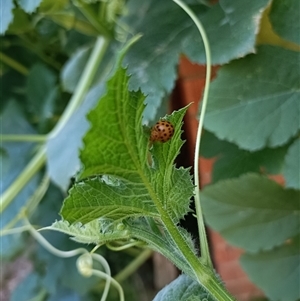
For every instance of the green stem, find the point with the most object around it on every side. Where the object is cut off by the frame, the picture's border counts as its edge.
(204, 274)
(133, 266)
(13, 64)
(30, 170)
(25, 138)
(84, 83)
(205, 256)
(40, 157)
(30, 204)
(216, 288)
(204, 270)
(181, 243)
(38, 195)
(102, 10)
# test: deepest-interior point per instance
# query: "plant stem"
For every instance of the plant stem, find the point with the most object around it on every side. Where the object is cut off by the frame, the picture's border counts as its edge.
(133, 266)
(204, 269)
(13, 64)
(216, 288)
(31, 203)
(84, 83)
(203, 273)
(30, 170)
(205, 256)
(25, 138)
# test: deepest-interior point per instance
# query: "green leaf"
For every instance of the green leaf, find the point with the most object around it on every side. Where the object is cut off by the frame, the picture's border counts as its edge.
(252, 212)
(291, 169)
(29, 5)
(276, 272)
(42, 94)
(117, 146)
(48, 210)
(10, 82)
(183, 288)
(75, 41)
(231, 27)
(232, 162)
(20, 24)
(47, 30)
(97, 232)
(112, 202)
(254, 105)
(6, 15)
(128, 182)
(72, 70)
(284, 16)
(41, 81)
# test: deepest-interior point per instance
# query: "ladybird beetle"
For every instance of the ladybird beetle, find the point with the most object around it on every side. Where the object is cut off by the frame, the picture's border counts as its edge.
(162, 131)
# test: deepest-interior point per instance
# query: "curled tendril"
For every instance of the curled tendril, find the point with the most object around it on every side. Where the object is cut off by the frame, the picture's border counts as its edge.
(84, 265)
(84, 262)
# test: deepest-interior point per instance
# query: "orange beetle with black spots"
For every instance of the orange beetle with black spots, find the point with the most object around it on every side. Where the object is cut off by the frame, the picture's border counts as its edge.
(162, 131)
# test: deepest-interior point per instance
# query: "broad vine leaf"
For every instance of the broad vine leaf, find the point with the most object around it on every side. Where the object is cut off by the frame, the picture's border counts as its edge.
(254, 102)
(121, 178)
(6, 14)
(29, 5)
(276, 272)
(63, 162)
(183, 288)
(9, 81)
(291, 169)
(284, 16)
(42, 94)
(75, 41)
(268, 36)
(72, 70)
(41, 81)
(232, 161)
(248, 211)
(231, 27)
(21, 22)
